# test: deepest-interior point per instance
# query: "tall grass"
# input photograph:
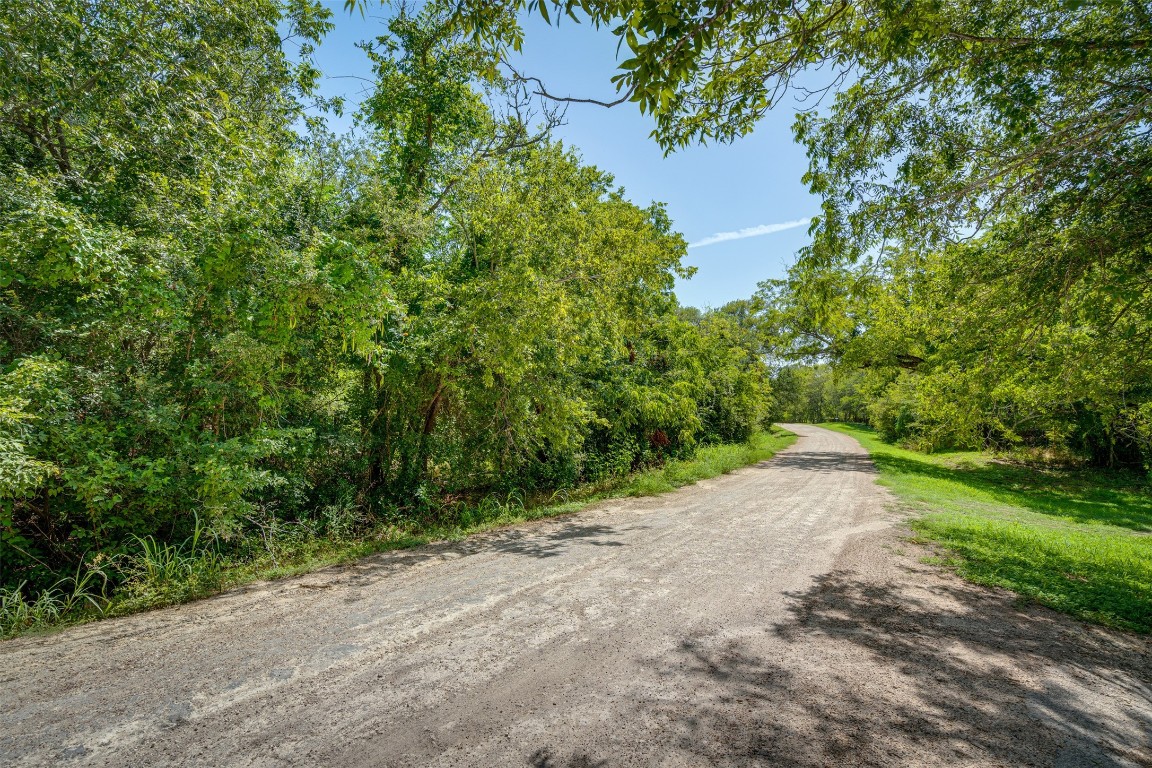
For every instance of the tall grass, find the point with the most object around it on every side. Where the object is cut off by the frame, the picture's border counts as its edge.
(156, 574)
(162, 573)
(83, 592)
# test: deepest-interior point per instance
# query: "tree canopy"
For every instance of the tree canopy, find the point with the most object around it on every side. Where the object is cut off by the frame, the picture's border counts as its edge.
(217, 319)
(982, 252)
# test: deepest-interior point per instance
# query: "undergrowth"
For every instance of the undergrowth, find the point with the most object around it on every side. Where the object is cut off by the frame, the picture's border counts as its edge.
(158, 574)
(163, 573)
(67, 599)
(1076, 540)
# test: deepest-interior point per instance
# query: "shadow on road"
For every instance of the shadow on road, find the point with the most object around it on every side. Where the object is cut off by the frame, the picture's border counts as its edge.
(816, 461)
(557, 542)
(543, 758)
(529, 542)
(870, 675)
(911, 680)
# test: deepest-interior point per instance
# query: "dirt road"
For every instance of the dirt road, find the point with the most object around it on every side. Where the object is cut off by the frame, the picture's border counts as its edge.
(774, 616)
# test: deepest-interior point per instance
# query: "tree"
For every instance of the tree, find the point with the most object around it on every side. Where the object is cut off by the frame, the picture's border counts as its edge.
(219, 322)
(141, 145)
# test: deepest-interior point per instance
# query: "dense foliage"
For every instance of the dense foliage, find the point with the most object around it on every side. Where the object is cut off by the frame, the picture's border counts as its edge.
(981, 271)
(216, 317)
(952, 350)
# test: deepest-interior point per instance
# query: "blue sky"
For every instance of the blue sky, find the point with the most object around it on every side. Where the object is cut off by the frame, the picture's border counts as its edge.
(743, 203)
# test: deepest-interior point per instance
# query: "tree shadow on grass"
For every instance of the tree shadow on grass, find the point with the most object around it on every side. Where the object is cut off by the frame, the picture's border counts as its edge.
(959, 677)
(1104, 498)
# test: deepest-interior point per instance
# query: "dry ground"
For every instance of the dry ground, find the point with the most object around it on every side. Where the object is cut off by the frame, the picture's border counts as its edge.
(774, 616)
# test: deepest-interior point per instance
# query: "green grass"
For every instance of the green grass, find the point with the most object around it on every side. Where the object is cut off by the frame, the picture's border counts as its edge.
(1079, 541)
(166, 574)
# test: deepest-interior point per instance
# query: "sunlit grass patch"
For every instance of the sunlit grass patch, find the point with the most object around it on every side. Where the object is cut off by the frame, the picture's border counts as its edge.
(1079, 541)
(1099, 576)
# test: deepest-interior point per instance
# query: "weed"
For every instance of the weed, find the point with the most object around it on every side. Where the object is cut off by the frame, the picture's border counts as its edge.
(492, 509)
(162, 574)
(67, 599)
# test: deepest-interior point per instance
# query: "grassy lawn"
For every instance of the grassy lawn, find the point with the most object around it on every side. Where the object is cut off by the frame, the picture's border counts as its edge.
(165, 574)
(1079, 541)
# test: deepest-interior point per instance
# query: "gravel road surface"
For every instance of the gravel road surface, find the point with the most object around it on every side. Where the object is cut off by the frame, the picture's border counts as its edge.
(775, 616)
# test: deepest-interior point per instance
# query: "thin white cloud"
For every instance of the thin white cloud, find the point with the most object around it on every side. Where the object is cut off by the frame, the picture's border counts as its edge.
(740, 234)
